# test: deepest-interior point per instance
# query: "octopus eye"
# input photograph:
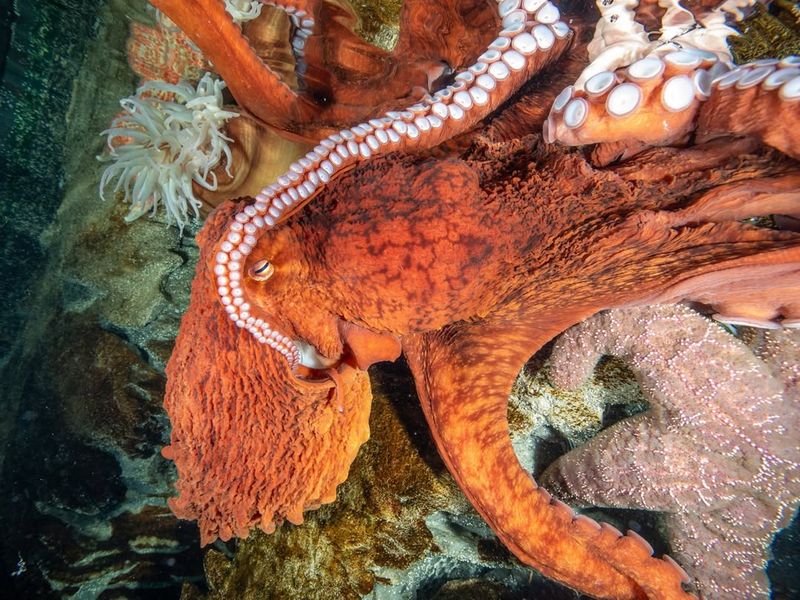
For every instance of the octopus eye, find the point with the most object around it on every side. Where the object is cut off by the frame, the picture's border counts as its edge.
(262, 270)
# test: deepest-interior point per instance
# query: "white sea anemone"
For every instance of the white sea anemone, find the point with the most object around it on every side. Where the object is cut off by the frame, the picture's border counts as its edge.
(165, 145)
(243, 10)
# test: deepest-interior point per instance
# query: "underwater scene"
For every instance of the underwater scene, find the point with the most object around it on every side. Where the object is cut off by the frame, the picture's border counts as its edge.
(384, 300)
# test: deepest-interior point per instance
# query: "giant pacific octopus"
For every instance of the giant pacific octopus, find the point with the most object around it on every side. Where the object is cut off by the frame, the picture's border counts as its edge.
(470, 256)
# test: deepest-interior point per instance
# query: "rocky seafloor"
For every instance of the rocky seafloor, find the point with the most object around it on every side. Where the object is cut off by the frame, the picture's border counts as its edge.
(91, 308)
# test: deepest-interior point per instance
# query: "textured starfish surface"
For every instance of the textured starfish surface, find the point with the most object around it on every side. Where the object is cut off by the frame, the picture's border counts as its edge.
(716, 451)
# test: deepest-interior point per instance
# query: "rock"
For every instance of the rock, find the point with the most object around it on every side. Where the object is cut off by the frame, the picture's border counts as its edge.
(85, 486)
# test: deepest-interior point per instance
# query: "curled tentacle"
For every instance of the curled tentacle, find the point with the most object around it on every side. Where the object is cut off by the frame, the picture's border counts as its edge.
(640, 92)
(761, 99)
(655, 101)
(464, 377)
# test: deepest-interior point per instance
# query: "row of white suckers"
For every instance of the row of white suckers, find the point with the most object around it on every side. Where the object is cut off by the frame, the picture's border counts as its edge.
(527, 27)
(303, 25)
(706, 72)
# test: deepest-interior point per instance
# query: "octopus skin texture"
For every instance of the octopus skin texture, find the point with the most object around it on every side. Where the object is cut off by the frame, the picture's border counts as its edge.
(344, 79)
(237, 441)
(469, 258)
(469, 307)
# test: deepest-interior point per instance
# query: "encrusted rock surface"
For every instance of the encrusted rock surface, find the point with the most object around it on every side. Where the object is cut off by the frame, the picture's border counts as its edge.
(84, 484)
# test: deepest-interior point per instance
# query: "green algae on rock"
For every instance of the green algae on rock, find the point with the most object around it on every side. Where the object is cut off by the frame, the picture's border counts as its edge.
(765, 34)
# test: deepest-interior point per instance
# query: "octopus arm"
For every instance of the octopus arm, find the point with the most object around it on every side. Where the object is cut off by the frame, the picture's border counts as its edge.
(747, 275)
(367, 82)
(254, 85)
(662, 100)
(463, 379)
(761, 100)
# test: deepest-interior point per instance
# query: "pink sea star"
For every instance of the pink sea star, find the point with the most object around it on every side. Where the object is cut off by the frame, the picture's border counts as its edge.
(716, 450)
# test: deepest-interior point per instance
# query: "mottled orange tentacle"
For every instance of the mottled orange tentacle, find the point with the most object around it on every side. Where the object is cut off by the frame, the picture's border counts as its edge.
(745, 199)
(392, 82)
(254, 86)
(760, 101)
(465, 376)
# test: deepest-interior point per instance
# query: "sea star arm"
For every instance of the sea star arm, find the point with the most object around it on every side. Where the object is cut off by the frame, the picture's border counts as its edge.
(618, 484)
(463, 379)
(714, 451)
(703, 385)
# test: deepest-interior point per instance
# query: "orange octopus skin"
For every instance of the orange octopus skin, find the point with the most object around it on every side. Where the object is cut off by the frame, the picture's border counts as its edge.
(263, 446)
(756, 111)
(473, 264)
(350, 81)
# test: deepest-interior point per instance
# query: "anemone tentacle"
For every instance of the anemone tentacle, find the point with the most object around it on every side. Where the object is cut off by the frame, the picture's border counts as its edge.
(158, 148)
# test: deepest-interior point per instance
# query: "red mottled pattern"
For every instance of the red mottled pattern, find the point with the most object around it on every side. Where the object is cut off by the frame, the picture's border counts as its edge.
(163, 53)
(261, 447)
